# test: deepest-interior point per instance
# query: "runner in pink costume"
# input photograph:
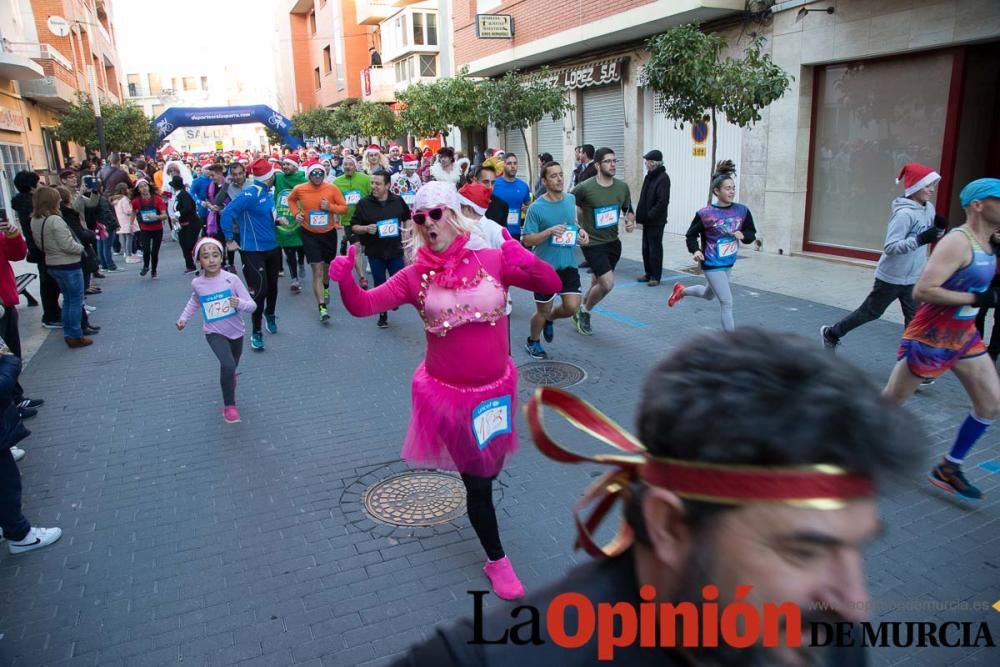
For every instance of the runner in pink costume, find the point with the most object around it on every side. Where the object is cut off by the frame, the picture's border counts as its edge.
(465, 390)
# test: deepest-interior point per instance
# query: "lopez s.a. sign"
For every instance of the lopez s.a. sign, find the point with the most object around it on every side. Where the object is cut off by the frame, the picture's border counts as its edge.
(591, 74)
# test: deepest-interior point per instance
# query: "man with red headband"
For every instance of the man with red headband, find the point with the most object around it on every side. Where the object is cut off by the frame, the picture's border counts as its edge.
(743, 485)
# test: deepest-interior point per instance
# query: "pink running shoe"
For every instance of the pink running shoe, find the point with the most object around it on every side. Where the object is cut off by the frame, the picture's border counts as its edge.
(231, 414)
(676, 295)
(505, 583)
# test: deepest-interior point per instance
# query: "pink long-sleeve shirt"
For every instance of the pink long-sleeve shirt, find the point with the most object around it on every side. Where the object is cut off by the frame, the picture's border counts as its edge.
(472, 352)
(211, 297)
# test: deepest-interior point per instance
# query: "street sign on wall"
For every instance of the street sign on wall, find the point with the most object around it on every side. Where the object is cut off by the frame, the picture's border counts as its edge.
(494, 26)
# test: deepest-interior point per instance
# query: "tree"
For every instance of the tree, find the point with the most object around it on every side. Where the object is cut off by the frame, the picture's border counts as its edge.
(375, 119)
(316, 122)
(126, 127)
(514, 102)
(273, 137)
(344, 122)
(431, 108)
(687, 69)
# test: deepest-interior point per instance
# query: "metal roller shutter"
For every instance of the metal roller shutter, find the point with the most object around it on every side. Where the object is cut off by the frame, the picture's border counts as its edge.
(513, 143)
(549, 137)
(604, 121)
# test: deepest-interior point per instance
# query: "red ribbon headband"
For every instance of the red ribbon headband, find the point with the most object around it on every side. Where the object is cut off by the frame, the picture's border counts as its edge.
(810, 486)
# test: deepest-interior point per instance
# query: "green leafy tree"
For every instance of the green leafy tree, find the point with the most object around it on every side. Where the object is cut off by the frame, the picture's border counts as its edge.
(375, 119)
(316, 122)
(273, 137)
(344, 121)
(126, 127)
(431, 108)
(514, 102)
(688, 70)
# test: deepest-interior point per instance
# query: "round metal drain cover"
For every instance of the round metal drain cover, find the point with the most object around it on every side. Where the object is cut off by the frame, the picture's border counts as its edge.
(552, 373)
(416, 498)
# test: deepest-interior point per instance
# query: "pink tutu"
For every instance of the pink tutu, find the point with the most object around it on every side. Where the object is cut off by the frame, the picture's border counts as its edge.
(468, 429)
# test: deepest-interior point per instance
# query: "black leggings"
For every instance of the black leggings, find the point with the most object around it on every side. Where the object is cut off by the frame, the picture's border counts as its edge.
(482, 514)
(260, 269)
(228, 351)
(188, 237)
(294, 257)
(151, 242)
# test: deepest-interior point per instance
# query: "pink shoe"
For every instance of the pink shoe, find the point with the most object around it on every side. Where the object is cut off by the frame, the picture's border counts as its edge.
(676, 295)
(505, 583)
(231, 414)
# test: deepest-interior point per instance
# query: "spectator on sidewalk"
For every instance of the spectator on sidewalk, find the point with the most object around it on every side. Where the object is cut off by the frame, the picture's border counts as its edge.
(21, 536)
(26, 182)
(13, 248)
(651, 213)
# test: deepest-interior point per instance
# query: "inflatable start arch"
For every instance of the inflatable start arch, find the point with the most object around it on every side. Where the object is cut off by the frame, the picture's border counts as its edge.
(176, 117)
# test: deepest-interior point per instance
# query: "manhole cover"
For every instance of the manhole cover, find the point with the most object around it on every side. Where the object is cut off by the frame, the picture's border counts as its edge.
(552, 373)
(418, 498)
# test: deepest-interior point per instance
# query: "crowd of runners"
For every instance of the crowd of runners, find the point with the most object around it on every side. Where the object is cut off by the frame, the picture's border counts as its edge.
(450, 236)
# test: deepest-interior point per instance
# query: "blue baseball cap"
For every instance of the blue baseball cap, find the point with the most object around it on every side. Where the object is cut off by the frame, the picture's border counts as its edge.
(982, 188)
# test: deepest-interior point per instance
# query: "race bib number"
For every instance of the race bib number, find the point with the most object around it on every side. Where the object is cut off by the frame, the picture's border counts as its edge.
(319, 218)
(150, 215)
(728, 246)
(567, 238)
(352, 197)
(606, 216)
(409, 198)
(388, 229)
(283, 198)
(490, 419)
(967, 313)
(216, 306)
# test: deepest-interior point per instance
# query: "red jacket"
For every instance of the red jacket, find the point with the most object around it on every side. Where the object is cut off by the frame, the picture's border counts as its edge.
(12, 249)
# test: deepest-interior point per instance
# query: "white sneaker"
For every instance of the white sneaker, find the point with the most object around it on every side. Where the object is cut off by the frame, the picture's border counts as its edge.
(35, 539)
(90, 309)
(17, 453)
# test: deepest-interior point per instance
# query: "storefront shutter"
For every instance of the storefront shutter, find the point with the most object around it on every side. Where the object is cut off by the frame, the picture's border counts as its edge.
(549, 137)
(604, 122)
(513, 143)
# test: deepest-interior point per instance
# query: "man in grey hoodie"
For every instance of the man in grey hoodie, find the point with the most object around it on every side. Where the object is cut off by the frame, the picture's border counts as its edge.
(912, 226)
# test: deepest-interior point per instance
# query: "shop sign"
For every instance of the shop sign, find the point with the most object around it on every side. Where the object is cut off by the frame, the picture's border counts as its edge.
(586, 76)
(11, 120)
(494, 26)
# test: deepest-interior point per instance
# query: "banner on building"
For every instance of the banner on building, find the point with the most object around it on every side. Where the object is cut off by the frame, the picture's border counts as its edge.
(11, 120)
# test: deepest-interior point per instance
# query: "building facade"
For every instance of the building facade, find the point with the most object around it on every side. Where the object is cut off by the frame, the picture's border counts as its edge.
(818, 169)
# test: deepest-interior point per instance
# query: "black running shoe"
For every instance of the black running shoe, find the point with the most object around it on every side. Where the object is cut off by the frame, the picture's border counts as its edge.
(948, 476)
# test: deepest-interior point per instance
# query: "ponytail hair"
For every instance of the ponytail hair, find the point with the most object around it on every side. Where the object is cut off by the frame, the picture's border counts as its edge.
(725, 170)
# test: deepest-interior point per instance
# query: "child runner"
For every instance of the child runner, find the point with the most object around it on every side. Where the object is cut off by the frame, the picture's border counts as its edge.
(221, 297)
(720, 228)
(127, 224)
(151, 212)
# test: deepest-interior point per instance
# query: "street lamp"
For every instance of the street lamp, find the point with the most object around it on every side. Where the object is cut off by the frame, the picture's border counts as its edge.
(802, 12)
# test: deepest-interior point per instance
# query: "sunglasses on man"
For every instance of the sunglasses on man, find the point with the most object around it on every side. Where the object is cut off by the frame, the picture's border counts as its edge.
(435, 214)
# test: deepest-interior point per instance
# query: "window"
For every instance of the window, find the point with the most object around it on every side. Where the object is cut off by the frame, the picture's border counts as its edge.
(418, 28)
(190, 83)
(13, 160)
(424, 28)
(398, 67)
(204, 83)
(316, 79)
(176, 83)
(312, 22)
(428, 66)
(155, 87)
(133, 85)
(400, 25)
(327, 62)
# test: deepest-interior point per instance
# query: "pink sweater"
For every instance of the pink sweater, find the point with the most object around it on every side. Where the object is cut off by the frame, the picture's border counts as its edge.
(472, 352)
(210, 296)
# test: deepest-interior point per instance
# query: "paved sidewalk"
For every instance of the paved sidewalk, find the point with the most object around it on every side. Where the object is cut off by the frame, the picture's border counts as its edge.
(189, 540)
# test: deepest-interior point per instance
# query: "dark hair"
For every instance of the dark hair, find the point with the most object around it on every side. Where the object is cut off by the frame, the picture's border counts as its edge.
(177, 183)
(447, 151)
(545, 158)
(601, 154)
(588, 150)
(383, 174)
(66, 173)
(725, 170)
(236, 164)
(545, 167)
(785, 403)
(486, 167)
(215, 168)
(507, 156)
(24, 181)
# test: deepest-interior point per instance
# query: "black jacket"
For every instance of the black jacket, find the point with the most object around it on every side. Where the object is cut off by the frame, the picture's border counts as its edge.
(586, 172)
(368, 212)
(654, 198)
(497, 211)
(12, 430)
(187, 210)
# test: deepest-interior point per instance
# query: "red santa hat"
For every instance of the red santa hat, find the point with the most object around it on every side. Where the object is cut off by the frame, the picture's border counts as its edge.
(292, 159)
(206, 163)
(476, 196)
(373, 147)
(261, 169)
(310, 162)
(410, 161)
(916, 176)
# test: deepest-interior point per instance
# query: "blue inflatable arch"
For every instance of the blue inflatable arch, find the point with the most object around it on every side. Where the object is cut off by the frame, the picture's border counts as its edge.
(176, 117)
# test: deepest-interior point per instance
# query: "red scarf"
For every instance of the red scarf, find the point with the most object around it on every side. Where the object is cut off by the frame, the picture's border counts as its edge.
(443, 263)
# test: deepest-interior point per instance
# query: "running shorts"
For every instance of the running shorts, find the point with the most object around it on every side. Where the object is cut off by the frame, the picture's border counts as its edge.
(570, 278)
(928, 362)
(604, 257)
(320, 247)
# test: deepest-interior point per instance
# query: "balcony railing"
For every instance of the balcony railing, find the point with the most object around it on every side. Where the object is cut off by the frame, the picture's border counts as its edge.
(39, 51)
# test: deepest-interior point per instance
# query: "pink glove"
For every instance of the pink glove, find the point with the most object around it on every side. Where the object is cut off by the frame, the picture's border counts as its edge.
(342, 266)
(514, 254)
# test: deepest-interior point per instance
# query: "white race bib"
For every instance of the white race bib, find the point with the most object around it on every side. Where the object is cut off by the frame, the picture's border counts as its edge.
(967, 313)
(513, 218)
(319, 218)
(409, 198)
(388, 229)
(490, 419)
(283, 198)
(216, 306)
(606, 216)
(150, 216)
(567, 238)
(728, 246)
(352, 197)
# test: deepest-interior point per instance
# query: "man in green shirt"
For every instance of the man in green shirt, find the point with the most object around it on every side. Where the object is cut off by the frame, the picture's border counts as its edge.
(288, 230)
(356, 185)
(601, 203)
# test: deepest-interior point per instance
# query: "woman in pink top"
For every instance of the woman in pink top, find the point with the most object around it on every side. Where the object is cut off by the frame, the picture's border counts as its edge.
(221, 297)
(465, 390)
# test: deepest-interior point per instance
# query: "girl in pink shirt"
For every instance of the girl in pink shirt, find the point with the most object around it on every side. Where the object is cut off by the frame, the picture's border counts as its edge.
(221, 297)
(465, 390)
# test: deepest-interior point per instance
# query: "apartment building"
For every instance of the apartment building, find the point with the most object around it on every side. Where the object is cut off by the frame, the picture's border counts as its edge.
(876, 85)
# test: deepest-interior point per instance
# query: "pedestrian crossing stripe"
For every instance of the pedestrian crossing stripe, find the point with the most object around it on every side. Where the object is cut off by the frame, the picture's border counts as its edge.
(991, 466)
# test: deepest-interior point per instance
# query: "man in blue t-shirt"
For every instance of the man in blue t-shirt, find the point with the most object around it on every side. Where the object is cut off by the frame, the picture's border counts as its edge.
(550, 228)
(515, 193)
